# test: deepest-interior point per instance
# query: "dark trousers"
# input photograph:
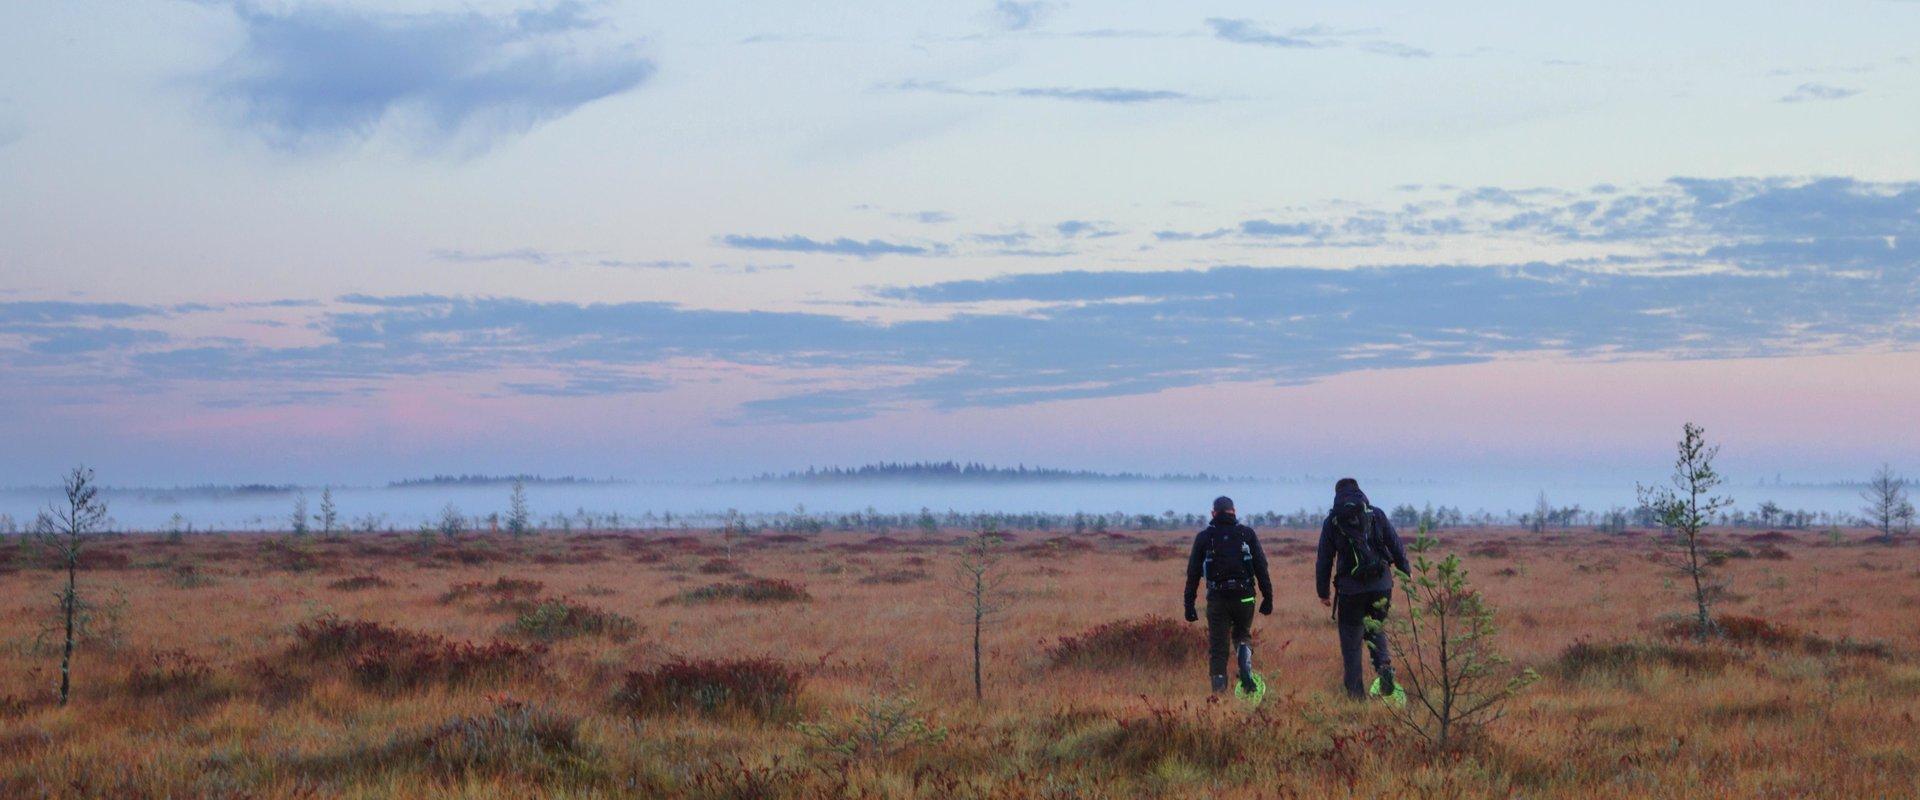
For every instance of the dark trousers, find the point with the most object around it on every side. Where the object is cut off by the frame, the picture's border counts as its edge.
(1227, 615)
(1352, 611)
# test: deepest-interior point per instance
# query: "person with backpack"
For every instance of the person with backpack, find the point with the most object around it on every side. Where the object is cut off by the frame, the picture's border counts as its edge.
(1227, 557)
(1359, 550)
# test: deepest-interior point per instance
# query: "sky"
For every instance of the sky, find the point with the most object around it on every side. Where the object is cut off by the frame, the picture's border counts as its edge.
(355, 242)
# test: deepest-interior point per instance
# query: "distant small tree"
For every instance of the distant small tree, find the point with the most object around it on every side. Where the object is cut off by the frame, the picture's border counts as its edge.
(64, 529)
(329, 516)
(1684, 507)
(980, 584)
(928, 525)
(1542, 514)
(1455, 678)
(299, 519)
(519, 518)
(730, 532)
(1888, 509)
(452, 524)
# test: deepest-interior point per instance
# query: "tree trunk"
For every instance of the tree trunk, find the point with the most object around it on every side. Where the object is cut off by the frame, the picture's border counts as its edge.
(66, 656)
(979, 692)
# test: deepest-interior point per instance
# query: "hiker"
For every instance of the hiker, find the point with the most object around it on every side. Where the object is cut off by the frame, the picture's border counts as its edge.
(1359, 551)
(1227, 556)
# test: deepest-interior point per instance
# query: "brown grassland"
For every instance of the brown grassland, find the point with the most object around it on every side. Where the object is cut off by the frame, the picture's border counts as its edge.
(644, 664)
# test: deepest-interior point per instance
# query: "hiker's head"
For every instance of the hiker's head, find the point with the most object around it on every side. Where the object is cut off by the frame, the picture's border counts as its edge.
(1222, 505)
(1345, 485)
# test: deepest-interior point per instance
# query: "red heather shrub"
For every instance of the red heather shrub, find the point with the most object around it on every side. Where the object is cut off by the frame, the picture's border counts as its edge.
(103, 559)
(1153, 641)
(1490, 550)
(1742, 630)
(893, 577)
(755, 590)
(1159, 552)
(388, 657)
(443, 662)
(330, 636)
(168, 671)
(358, 582)
(718, 566)
(1056, 546)
(503, 592)
(760, 687)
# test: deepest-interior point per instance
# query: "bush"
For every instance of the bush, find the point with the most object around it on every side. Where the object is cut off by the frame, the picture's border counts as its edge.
(1159, 552)
(358, 582)
(330, 636)
(1153, 641)
(563, 618)
(502, 593)
(389, 657)
(1748, 631)
(1584, 659)
(759, 687)
(756, 590)
(718, 566)
(513, 739)
(1743, 630)
(882, 726)
(443, 662)
(168, 671)
(893, 577)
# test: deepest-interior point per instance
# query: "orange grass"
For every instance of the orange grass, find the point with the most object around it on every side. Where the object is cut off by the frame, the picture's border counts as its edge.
(212, 690)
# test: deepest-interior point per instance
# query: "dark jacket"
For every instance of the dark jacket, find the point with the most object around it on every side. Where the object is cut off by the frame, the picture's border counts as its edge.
(1335, 562)
(1196, 562)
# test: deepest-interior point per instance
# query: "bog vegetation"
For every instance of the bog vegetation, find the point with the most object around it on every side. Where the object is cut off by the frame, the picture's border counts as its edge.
(940, 662)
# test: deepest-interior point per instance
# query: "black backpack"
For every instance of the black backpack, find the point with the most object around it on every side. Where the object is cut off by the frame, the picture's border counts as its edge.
(1229, 561)
(1355, 522)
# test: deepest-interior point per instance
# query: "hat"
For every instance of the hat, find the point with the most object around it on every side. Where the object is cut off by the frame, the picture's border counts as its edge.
(1222, 504)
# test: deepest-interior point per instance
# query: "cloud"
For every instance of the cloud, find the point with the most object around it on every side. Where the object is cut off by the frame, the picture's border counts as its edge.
(525, 255)
(310, 75)
(1013, 15)
(1811, 92)
(871, 248)
(589, 385)
(1077, 228)
(657, 263)
(1246, 31)
(1689, 269)
(1113, 95)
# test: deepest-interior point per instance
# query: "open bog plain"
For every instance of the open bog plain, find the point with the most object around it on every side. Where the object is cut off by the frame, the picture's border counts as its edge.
(639, 663)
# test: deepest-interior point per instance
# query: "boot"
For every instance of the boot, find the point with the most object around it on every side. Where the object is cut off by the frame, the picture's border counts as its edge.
(1386, 682)
(1219, 684)
(1246, 669)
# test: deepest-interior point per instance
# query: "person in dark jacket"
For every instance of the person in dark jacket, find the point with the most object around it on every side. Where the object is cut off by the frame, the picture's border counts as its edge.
(1361, 582)
(1227, 557)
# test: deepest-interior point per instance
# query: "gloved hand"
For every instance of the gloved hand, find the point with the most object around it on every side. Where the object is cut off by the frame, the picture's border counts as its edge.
(1192, 615)
(1266, 606)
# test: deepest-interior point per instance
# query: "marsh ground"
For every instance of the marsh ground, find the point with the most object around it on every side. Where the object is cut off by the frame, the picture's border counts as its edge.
(236, 666)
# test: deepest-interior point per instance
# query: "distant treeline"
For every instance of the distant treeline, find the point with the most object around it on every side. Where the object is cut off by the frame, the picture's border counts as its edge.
(491, 480)
(956, 471)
